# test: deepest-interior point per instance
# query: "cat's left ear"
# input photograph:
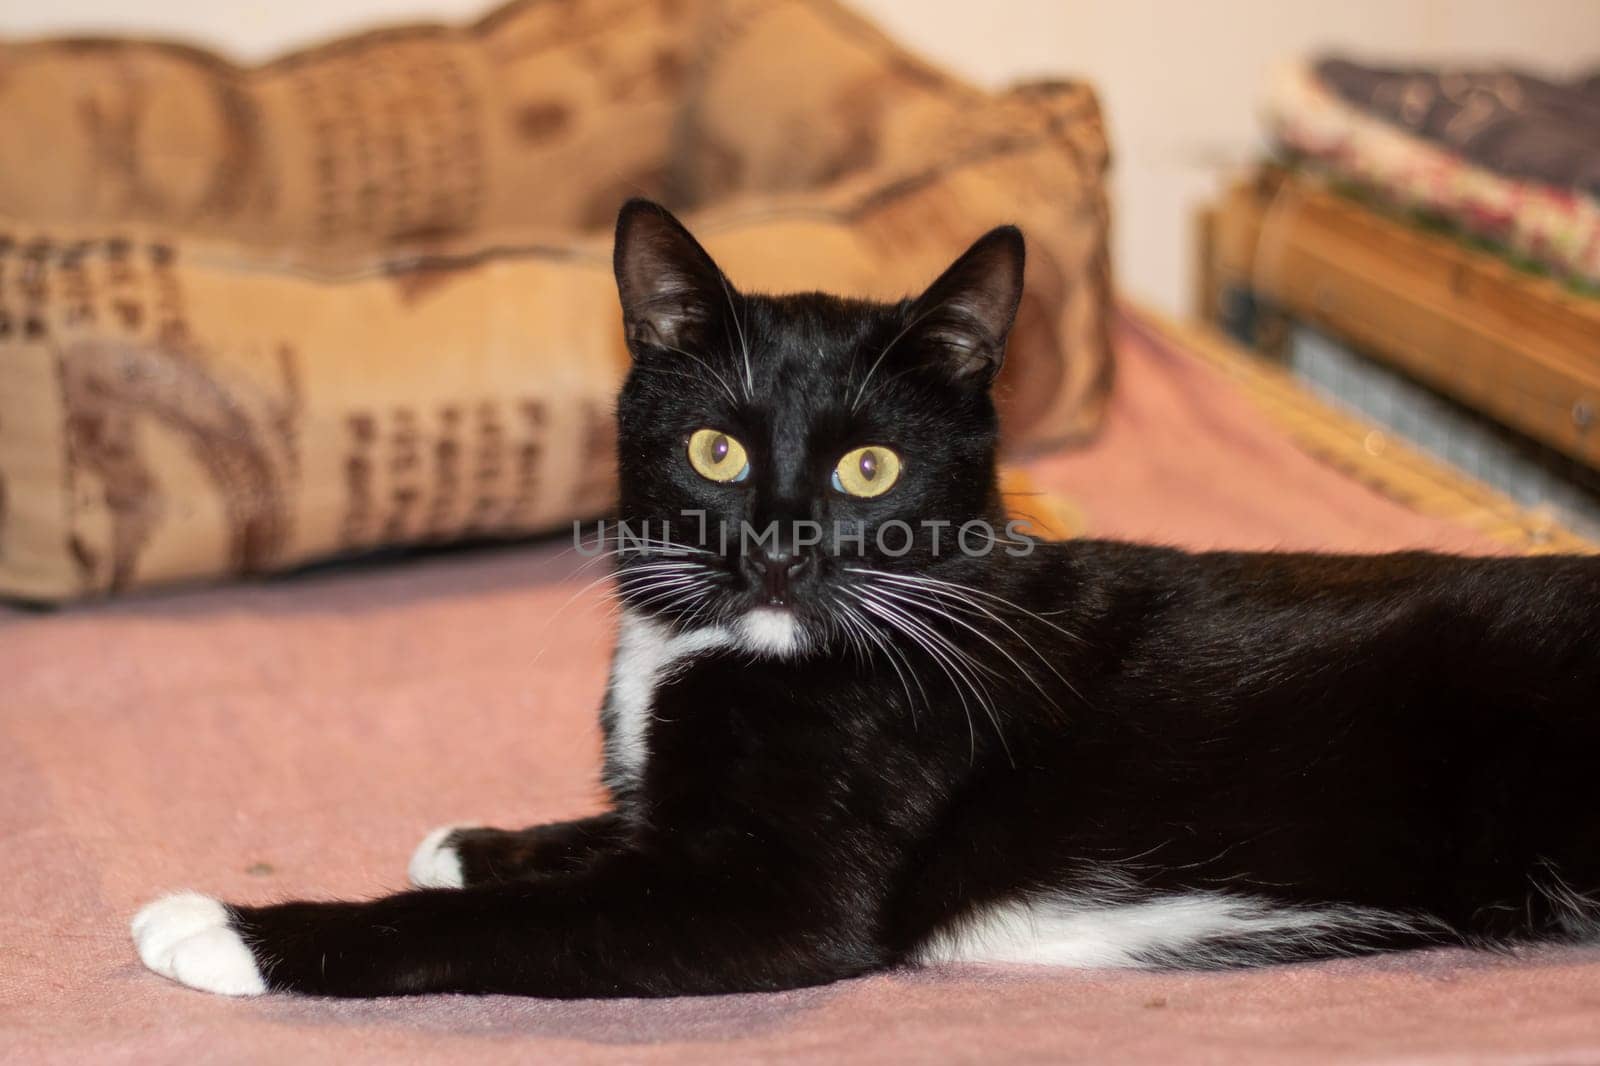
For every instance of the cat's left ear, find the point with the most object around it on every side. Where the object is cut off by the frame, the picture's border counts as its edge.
(669, 285)
(963, 317)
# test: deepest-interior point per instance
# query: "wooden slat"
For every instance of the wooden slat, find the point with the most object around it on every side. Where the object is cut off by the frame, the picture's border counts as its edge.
(1368, 453)
(1519, 348)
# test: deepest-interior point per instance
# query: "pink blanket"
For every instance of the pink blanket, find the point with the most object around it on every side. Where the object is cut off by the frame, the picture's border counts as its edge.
(298, 737)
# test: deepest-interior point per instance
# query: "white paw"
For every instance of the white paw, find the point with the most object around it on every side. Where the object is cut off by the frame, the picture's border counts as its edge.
(435, 864)
(187, 937)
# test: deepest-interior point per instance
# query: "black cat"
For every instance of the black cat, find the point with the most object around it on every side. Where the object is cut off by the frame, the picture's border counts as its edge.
(855, 722)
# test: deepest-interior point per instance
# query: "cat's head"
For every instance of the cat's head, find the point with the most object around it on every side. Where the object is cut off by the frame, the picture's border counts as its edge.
(772, 448)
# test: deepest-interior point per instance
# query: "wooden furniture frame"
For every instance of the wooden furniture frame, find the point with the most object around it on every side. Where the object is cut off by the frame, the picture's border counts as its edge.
(1518, 348)
(1367, 452)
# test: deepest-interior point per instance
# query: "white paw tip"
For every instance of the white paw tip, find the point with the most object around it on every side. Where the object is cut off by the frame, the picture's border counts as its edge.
(187, 937)
(435, 864)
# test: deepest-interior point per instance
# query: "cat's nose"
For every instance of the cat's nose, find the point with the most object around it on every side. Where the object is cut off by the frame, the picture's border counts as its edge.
(777, 571)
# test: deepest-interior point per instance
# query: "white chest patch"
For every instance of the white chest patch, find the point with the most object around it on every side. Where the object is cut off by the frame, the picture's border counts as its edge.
(647, 653)
(650, 652)
(770, 631)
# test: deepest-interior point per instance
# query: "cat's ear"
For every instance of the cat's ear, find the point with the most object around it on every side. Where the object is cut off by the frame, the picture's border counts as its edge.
(669, 286)
(963, 317)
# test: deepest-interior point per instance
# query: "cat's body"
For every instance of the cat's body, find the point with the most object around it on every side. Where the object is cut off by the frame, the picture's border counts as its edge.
(828, 761)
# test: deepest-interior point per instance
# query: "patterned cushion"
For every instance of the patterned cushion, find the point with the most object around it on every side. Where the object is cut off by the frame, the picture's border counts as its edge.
(360, 295)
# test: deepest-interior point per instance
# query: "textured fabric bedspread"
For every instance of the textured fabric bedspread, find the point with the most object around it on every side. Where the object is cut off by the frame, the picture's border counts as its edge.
(299, 736)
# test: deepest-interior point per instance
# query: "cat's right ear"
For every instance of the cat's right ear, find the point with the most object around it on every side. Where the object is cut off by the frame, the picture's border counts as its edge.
(964, 316)
(670, 287)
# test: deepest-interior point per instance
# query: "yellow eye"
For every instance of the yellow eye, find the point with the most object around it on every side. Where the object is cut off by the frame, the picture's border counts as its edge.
(717, 456)
(870, 471)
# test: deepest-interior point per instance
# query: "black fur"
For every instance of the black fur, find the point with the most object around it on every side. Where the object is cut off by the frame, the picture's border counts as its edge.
(1407, 738)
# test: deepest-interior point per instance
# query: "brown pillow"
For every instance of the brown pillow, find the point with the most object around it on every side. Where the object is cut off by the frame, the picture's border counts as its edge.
(361, 295)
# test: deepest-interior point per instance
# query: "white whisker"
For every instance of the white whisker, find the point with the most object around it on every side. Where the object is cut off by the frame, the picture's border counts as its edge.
(956, 664)
(711, 369)
(937, 609)
(965, 597)
(924, 579)
(749, 379)
(894, 655)
(883, 354)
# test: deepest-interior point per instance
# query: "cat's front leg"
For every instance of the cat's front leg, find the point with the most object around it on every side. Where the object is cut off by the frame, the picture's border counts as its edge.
(631, 924)
(456, 856)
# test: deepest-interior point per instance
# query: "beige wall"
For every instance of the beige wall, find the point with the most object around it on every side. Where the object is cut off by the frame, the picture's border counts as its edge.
(1179, 78)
